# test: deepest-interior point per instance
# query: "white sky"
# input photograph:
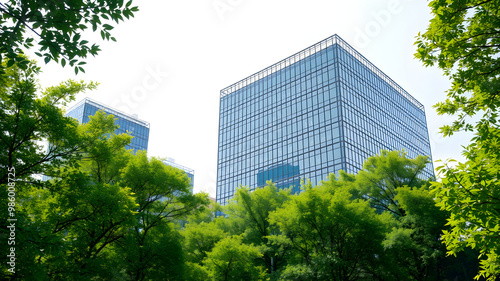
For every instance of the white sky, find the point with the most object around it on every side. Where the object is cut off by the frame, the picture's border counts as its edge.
(174, 57)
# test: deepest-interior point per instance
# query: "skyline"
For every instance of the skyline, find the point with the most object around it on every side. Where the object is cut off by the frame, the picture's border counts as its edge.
(173, 79)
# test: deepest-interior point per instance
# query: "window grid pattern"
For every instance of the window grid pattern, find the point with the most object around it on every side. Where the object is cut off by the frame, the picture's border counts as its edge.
(283, 127)
(376, 116)
(308, 118)
(138, 129)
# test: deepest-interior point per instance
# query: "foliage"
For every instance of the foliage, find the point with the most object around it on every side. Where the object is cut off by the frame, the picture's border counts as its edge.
(333, 231)
(394, 183)
(298, 272)
(414, 242)
(230, 259)
(249, 212)
(200, 239)
(383, 174)
(470, 191)
(105, 213)
(80, 213)
(462, 39)
(328, 232)
(57, 27)
(157, 255)
(108, 216)
(27, 120)
(162, 194)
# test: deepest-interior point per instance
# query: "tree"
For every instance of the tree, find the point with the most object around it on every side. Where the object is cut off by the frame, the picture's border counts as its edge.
(230, 259)
(383, 174)
(462, 39)
(162, 195)
(58, 27)
(201, 230)
(28, 119)
(200, 239)
(413, 244)
(381, 224)
(328, 234)
(102, 203)
(395, 184)
(470, 191)
(157, 255)
(249, 212)
(106, 216)
(71, 224)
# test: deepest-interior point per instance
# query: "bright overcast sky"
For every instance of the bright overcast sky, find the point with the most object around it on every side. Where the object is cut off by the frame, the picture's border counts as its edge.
(174, 57)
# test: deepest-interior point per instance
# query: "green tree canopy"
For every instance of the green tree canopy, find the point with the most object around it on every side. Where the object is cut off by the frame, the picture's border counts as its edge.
(463, 40)
(328, 233)
(72, 223)
(28, 119)
(248, 213)
(162, 194)
(383, 174)
(230, 259)
(105, 213)
(58, 28)
(470, 191)
(338, 230)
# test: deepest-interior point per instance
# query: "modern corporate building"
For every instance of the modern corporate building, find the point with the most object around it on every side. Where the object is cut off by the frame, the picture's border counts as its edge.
(324, 109)
(188, 171)
(137, 128)
(130, 124)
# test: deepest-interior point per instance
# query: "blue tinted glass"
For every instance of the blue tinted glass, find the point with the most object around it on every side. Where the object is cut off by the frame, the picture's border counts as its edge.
(291, 122)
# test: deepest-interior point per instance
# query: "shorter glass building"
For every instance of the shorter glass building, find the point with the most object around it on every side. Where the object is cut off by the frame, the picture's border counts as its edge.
(129, 124)
(188, 171)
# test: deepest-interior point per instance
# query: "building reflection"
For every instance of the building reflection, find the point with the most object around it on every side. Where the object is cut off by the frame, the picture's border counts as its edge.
(282, 175)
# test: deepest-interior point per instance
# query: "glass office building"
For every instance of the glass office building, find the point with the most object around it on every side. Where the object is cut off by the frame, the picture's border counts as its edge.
(324, 109)
(189, 172)
(137, 128)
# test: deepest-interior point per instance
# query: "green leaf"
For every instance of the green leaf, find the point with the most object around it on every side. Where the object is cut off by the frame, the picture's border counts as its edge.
(107, 26)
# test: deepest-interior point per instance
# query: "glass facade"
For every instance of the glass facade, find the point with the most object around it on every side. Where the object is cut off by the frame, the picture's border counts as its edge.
(188, 171)
(137, 128)
(322, 110)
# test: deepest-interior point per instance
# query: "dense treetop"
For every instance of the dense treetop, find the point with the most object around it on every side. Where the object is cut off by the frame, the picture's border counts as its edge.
(57, 29)
(463, 39)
